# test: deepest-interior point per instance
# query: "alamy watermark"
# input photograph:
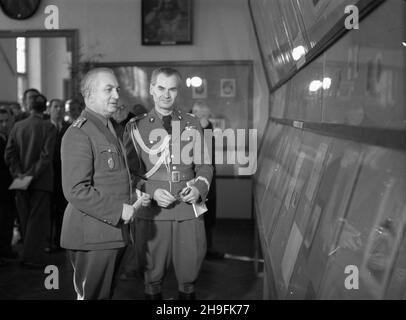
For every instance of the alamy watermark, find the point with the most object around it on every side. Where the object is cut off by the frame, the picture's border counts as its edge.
(198, 147)
(51, 281)
(351, 281)
(352, 20)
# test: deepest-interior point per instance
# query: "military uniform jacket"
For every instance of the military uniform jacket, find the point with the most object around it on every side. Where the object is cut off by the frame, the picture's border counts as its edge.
(172, 176)
(96, 183)
(30, 150)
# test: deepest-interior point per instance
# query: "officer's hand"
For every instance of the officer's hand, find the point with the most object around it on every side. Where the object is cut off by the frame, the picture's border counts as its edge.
(128, 213)
(163, 198)
(192, 196)
(146, 200)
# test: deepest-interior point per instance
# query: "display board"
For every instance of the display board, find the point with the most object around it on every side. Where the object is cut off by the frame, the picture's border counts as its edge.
(327, 200)
(292, 32)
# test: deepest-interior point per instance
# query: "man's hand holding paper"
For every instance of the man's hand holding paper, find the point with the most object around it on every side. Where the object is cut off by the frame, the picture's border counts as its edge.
(190, 194)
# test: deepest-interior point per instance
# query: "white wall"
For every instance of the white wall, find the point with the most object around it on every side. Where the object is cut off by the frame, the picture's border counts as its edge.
(55, 66)
(34, 64)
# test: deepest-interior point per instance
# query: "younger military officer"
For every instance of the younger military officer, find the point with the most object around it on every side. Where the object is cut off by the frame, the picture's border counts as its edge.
(96, 183)
(168, 231)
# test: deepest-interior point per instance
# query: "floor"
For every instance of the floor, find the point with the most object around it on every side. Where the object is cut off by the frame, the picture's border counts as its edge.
(237, 277)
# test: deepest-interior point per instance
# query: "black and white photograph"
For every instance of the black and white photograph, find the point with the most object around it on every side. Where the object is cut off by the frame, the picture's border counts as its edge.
(227, 88)
(167, 22)
(191, 152)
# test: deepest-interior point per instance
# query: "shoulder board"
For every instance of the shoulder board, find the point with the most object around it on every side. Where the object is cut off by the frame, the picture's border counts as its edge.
(191, 114)
(138, 117)
(79, 122)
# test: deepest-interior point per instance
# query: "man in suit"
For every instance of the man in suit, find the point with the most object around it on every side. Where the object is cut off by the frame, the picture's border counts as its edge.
(28, 100)
(96, 183)
(29, 152)
(58, 201)
(168, 231)
(7, 204)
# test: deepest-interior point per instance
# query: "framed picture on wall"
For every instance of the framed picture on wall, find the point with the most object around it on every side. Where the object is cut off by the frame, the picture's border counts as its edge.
(166, 22)
(200, 92)
(227, 88)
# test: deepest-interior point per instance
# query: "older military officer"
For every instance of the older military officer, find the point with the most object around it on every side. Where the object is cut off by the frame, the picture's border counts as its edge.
(168, 230)
(96, 183)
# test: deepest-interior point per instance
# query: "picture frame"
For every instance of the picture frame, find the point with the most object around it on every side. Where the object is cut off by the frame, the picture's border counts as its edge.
(227, 88)
(201, 91)
(166, 22)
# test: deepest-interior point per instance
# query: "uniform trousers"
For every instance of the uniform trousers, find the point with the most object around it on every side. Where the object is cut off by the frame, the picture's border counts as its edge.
(33, 208)
(160, 242)
(58, 206)
(94, 272)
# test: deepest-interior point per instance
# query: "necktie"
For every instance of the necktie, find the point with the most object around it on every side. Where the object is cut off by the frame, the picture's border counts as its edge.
(110, 126)
(167, 123)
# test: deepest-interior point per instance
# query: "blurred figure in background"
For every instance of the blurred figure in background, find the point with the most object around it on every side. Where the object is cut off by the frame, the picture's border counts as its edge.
(120, 119)
(28, 101)
(139, 109)
(7, 204)
(58, 201)
(73, 109)
(16, 110)
(202, 111)
(29, 152)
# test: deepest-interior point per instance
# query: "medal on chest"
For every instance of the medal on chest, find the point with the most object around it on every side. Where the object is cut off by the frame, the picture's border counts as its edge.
(110, 163)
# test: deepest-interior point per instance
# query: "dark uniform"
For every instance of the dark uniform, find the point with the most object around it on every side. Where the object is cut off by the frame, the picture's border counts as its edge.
(58, 201)
(7, 204)
(96, 183)
(173, 233)
(29, 151)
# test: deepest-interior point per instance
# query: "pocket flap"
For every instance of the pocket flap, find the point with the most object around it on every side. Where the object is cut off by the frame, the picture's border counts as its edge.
(106, 148)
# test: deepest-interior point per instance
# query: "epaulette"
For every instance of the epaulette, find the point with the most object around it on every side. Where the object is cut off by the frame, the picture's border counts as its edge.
(138, 117)
(79, 122)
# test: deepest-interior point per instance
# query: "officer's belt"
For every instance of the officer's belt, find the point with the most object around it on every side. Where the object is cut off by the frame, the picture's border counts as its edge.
(173, 176)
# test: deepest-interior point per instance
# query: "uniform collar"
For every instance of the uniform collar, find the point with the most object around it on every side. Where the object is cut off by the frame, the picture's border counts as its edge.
(100, 122)
(175, 112)
(97, 116)
(160, 115)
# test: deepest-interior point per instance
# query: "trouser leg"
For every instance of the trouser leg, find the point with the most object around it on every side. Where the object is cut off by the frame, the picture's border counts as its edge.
(209, 236)
(58, 207)
(153, 242)
(22, 204)
(7, 216)
(188, 250)
(93, 273)
(37, 227)
(130, 257)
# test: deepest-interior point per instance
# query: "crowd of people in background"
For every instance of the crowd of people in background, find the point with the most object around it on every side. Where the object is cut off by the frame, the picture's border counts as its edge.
(30, 141)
